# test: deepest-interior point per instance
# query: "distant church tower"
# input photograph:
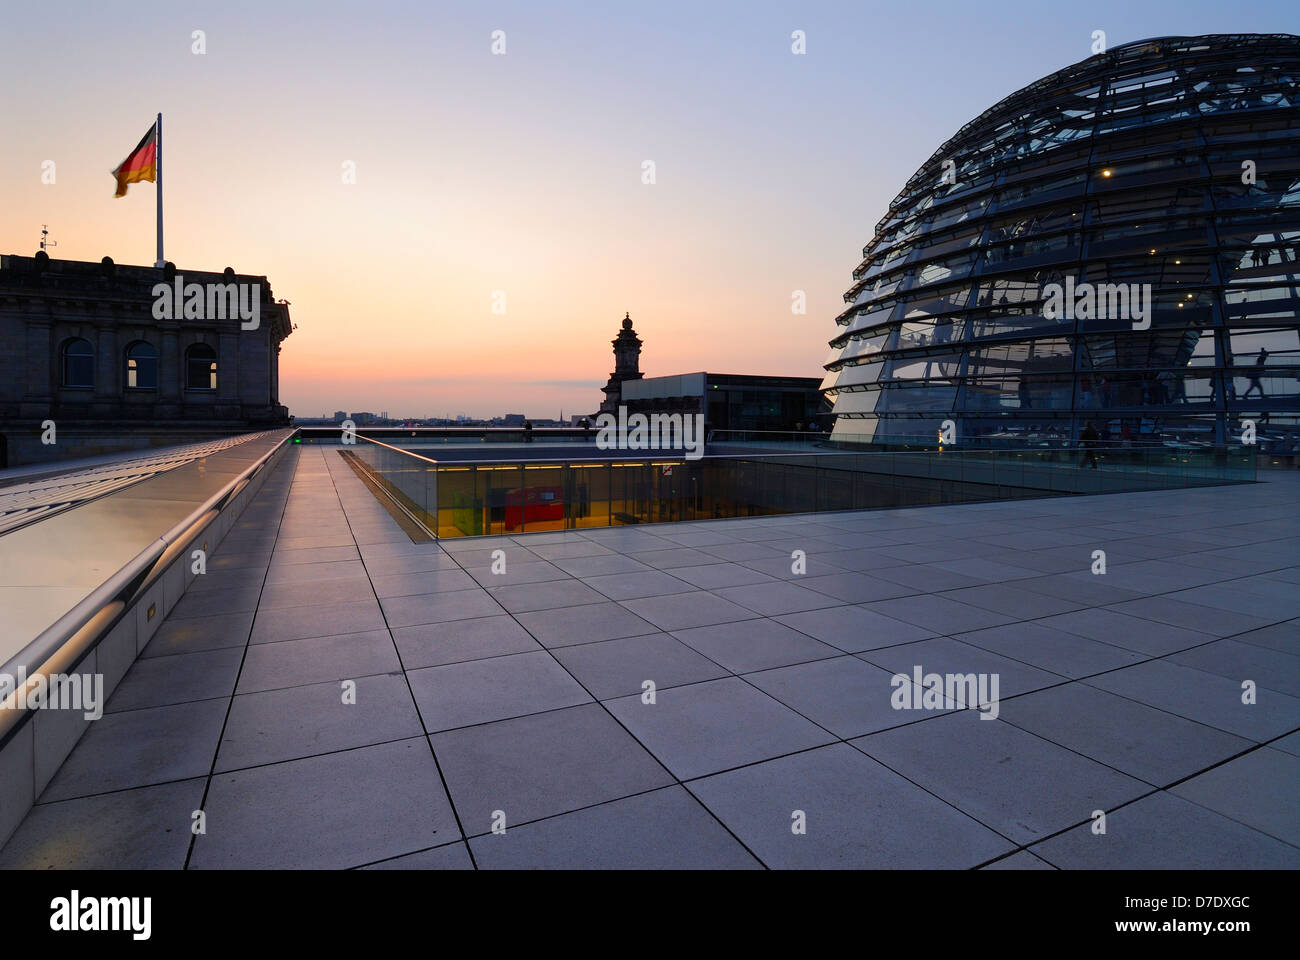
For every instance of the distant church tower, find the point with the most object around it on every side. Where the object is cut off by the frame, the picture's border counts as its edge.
(627, 365)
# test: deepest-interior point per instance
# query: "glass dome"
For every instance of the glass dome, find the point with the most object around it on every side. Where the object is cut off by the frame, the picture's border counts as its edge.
(1116, 243)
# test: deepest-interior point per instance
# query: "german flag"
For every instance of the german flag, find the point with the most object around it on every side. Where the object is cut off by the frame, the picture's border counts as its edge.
(140, 164)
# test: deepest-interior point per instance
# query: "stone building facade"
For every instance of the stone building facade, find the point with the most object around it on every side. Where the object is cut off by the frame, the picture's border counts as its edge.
(89, 348)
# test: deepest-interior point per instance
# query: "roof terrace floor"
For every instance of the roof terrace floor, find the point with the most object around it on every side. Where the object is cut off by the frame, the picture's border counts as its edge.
(333, 695)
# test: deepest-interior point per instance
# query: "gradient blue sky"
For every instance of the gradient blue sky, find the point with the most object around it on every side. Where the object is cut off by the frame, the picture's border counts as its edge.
(520, 173)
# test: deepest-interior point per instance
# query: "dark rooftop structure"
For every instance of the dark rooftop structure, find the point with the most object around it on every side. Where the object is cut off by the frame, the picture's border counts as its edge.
(732, 401)
(100, 350)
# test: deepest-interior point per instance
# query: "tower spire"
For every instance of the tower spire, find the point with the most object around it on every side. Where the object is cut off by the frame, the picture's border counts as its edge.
(627, 364)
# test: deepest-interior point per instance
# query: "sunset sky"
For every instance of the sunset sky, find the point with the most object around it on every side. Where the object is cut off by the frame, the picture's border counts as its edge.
(519, 173)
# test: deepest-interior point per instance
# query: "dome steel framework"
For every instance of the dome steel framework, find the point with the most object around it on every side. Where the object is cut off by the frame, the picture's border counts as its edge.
(1170, 166)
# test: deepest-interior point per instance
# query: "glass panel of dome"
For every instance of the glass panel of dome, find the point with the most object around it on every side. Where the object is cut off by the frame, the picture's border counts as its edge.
(1246, 384)
(893, 258)
(1142, 81)
(948, 269)
(920, 396)
(1244, 270)
(1260, 304)
(960, 214)
(1016, 393)
(1018, 355)
(881, 288)
(926, 368)
(999, 292)
(863, 347)
(1282, 346)
(993, 325)
(928, 332)
(1041, 220)
(1143, 212)
(1179, 388)
(858, 375)
(861, 401)
(935, 302)
(871, 318)
(1023, 249)
(1053, 190)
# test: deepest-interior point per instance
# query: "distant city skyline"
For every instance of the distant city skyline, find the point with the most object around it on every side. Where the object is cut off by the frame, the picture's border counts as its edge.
(479, 174)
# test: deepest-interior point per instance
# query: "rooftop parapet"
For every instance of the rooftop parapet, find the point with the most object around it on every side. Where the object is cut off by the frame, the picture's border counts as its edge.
(125, 284)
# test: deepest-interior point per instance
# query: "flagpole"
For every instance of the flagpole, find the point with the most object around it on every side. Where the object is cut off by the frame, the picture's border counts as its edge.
(158, 173)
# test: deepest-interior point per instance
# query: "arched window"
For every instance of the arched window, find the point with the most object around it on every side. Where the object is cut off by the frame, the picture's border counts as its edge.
(200, 367)
(141, 366)
(78, 363)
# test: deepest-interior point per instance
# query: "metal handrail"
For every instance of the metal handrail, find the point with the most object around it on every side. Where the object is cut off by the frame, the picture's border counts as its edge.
(972, 443)
(114, 596)
(380, 443)
(1137, 464)
(612, 456)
